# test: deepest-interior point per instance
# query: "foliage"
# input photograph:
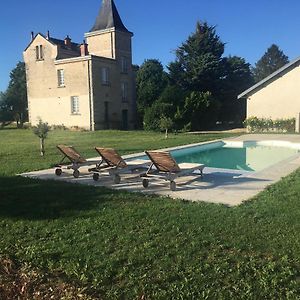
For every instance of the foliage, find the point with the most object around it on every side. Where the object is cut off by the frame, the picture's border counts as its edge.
(199, 108)
(135, 246)
(199, 69)
(6, 115)
(150, 82)
(237, 78)
(154, 113)
(201, 88)
(266, 124)
(271, 61)
(14, 100)
(166, 124)
(59, 127)
(41, 130)
(198, 63)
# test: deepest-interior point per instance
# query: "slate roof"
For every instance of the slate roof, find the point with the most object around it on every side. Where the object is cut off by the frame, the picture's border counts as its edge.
(74, 46)
(108, 17)
(291, 65)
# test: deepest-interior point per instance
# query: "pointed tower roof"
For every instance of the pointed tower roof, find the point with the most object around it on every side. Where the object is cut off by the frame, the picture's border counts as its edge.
(108, 17)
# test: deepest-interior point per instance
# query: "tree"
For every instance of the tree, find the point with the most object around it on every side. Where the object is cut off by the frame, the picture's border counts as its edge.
(6, 116)
(166, 124)
(154, 113)
(198, 63)
(271, 61)
(198, 69)
(237, 78)
(41, 130)
(151, 80)
(15, 97)
(199, 110)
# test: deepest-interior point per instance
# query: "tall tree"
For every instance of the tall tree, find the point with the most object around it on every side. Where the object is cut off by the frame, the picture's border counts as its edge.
(198, 63)
(238, 77)
(15, 97)
(6, 116)
(271, 61)
(151, 80)
(198, 69)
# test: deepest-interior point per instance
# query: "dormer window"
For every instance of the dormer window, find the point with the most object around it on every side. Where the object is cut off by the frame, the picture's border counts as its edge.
(39, 52)
(124, 64)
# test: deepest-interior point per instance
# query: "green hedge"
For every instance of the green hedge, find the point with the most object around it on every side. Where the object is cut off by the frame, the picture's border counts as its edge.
(255, 124)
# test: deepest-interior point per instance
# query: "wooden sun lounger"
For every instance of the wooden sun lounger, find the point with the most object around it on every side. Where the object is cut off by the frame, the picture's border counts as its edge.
(116, 165)
(165, 167)
(76, 160)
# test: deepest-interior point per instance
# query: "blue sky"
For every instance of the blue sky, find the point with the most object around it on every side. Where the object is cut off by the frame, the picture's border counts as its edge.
(247, 27)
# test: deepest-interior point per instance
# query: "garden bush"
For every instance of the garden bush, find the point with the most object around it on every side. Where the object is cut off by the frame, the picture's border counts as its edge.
(254, 124)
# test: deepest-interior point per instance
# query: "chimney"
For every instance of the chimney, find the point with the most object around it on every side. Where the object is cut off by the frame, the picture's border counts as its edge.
(32, 35)
(68, 41)
(84, 49)
(48, 35)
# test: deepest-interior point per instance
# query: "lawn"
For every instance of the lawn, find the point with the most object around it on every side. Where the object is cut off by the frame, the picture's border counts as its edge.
(117, 245)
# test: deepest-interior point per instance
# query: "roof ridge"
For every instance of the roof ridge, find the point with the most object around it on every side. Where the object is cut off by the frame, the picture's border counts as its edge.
(268, 78)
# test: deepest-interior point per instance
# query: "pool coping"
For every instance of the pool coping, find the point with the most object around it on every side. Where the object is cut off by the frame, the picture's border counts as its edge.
(220, 186)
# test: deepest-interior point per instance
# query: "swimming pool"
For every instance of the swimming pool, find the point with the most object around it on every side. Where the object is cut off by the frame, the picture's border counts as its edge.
(247, 156)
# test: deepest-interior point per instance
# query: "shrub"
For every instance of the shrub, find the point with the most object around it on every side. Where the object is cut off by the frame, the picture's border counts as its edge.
(41, 131)
(255, 124)
(59, 127)
(166, 124)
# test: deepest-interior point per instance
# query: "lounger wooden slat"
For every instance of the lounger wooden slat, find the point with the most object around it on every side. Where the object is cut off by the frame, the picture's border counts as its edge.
(167, 168)
(76, 161)
(117, 164)
(111, 157)
(71, 153)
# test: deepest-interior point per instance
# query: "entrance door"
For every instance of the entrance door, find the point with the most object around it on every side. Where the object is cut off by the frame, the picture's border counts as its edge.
(125, 119)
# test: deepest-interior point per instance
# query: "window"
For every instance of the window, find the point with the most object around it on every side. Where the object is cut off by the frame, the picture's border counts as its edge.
(61, 77)
(124, 64)
(75, 105)
(124, 88)
(105, 75)
(39, 52)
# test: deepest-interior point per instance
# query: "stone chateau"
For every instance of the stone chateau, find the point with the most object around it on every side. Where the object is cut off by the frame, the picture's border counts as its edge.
(89, 85)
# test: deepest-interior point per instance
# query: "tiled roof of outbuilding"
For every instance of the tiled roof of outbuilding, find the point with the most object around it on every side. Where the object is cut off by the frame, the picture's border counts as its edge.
(294, 63)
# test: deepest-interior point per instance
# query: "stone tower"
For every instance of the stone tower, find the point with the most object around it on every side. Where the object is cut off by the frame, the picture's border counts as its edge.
(109, 37)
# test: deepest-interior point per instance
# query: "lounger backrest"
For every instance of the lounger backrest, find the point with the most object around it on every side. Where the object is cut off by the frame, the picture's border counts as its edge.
(111, 157)
(163, 161)
(71, 154)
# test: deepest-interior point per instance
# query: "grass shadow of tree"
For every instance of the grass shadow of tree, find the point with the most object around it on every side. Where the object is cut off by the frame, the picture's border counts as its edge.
(32, 199)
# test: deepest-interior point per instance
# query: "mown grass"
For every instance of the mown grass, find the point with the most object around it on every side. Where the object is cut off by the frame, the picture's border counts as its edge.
(120, 245)
(19, 149)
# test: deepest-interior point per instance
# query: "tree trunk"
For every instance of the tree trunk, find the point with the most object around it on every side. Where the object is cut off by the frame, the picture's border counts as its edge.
(166, 134)
(42, 146)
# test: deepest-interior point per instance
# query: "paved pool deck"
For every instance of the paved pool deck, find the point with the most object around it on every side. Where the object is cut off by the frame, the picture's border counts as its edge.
(226, 187)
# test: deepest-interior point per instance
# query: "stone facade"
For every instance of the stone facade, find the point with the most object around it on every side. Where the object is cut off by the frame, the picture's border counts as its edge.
(89, 85)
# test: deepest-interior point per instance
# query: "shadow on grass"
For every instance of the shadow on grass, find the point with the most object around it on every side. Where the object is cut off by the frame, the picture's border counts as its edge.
(32, 199)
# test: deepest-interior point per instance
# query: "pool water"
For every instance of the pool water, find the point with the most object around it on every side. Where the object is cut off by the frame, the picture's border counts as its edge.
(249, 157)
